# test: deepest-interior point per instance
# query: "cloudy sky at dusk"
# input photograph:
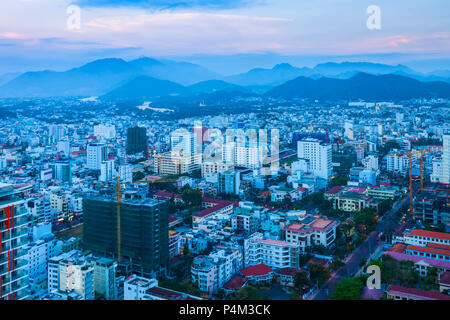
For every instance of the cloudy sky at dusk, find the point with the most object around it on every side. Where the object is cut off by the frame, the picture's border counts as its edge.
(34, 33)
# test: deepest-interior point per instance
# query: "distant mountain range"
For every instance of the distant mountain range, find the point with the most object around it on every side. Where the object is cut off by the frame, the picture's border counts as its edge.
(361, 86)
(145, 87)
(101, 76)
(147, 78)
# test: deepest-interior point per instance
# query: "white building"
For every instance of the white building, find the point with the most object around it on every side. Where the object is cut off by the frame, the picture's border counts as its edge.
(43, 247)
(370, 162)
(105, 131)
(398, 163)
(319, 156)
(71, 272)
(211, 272)
(184, 142)
(441, 166)
(96, 154)
(63, 146)
(310, 231)
(126, 173)
(273, 253)
(140, 288)
(107, 170)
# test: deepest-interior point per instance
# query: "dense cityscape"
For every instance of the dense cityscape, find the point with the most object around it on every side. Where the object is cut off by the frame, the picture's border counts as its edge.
(236, 158)
(134, 206)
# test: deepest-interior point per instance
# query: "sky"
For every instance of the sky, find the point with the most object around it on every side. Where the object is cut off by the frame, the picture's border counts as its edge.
(223, 35)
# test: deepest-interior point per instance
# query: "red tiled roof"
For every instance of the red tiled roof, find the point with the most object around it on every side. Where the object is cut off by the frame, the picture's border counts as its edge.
(235, 283)
(289, 271)
(398, 247)
(335, 190)
(438, 246)
(430, 234)
(256, 270)
(417, 293)
(427, 249)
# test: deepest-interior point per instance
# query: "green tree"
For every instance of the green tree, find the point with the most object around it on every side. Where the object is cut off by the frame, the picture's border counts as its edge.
(339, 181)
(249, 293)
(301, 282)
(192, 197)
(348, 289)
(318, 273)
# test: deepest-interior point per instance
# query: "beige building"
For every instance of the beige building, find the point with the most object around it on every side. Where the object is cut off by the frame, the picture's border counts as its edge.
(211, 167)
(174, 163)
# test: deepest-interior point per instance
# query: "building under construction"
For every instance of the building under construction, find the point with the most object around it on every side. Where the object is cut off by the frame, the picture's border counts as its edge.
(142, 233)
(432, 205)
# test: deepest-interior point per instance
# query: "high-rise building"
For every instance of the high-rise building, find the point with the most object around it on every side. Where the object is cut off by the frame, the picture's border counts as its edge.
(107, 170)
(144, 229)
(96, 154)
(137, 140)
(105, 278)
(63, 146)
(319, 156)
(441, 166)
(62, 171)
(71, 272)
(126, 173)
(228, 182)
(14, 284)
(183, 142)
(105, 131)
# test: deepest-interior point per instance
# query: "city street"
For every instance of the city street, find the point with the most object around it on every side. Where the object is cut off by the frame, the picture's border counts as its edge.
(363, 251)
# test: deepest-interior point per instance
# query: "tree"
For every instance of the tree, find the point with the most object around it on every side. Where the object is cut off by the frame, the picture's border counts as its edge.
(192, 197)
(339, 181)
(301, 282)
(138, 175)
(318, 273)
(249, 293)
(348, 289)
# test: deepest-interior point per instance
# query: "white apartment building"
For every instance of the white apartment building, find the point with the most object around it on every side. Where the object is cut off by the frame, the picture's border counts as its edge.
(105, 131)
(441, 166)
(71, 272)
(273, 253)
(107, 170)
(96, 154)
(44, 246)
(212, 168)
(395, 162)
(310, 231)
(211, 272)
(13, 239)
(319, 156)
(183, 142)
(370, 162)
(126, 173)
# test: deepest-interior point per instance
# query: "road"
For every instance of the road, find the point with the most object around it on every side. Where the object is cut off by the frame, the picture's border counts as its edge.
(363, 251)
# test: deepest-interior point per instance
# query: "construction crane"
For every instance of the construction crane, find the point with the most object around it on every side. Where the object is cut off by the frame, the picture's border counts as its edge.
(119, 185)
(421, 166)
(420, 159)
(410, 188)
